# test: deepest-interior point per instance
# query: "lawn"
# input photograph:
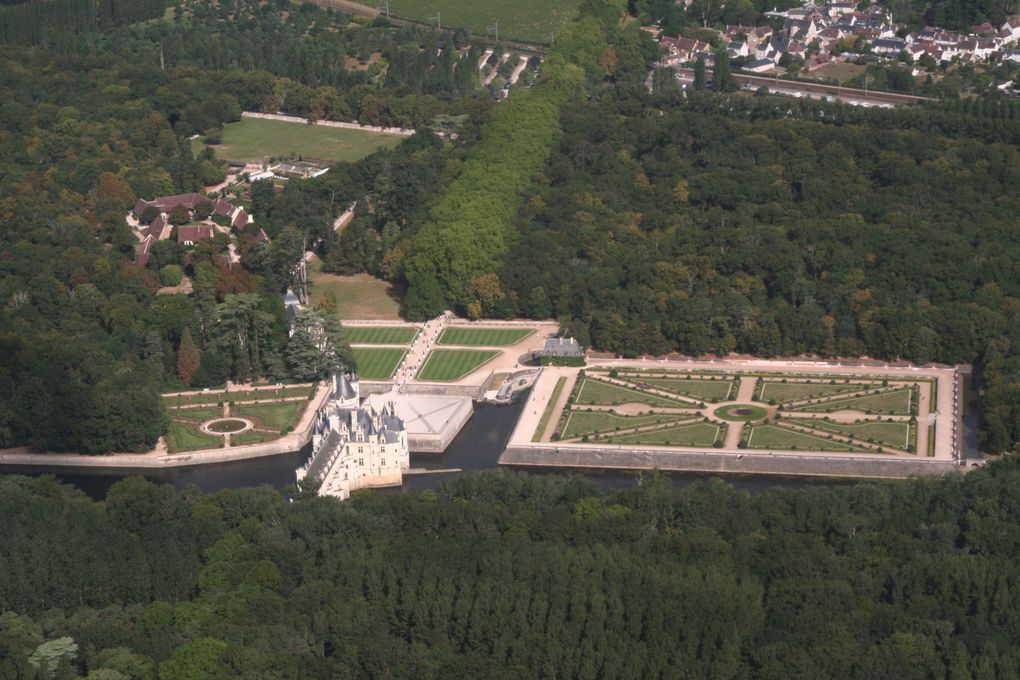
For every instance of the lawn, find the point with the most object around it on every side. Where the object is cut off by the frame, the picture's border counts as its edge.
(247, 395)
(483, 337)
(781, 439)
(380, 335)
(527, 20)
(272, 416)
(696, 434)
(894, 434)
(199, 415)
(792, 391)
(251, 438)
(699, 389)
(583, 422)
(185, 437)
(597, 392)
(377, 363)
(360, 296)
(549, 407)
(256, 139)
(894, 403)
(448, 365)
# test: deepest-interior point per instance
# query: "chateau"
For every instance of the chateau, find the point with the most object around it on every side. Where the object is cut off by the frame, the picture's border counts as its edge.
(355, 445)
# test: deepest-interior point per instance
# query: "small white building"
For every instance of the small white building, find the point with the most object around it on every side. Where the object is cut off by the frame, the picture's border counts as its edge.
(355, 446)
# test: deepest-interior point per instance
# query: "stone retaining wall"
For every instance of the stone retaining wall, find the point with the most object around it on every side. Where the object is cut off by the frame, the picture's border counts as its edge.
(475, 392)
(715, 461)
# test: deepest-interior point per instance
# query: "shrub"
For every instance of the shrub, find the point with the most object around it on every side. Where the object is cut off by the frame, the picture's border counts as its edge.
(171, 275)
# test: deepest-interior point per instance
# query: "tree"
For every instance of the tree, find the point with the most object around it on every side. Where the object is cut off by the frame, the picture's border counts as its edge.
(722, 77)
(188, 358)
(179, 215)
(317, 347)
(171, 275)
(149, 215)
(699, 74)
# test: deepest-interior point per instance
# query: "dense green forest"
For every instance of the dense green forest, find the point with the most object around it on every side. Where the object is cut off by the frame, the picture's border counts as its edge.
(505, 575)
(91, 125)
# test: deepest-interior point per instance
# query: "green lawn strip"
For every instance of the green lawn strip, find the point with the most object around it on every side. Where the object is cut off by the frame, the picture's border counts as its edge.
(257, 139)
(483, 337)
(447, 365)
(199, 414)
(698, 389)
(213, 398)
(792, 391)
(550, 406)
(380, 335)
(186, 437)
(584, 422)
(252, 438)
(528, 20)
(695, 434)
(894, 403)
(272, 416)
(598, 392)
(893, 434)
(773, 437)
(377, 363)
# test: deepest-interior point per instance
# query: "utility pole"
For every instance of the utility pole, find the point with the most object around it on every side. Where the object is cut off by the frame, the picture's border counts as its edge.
(438, 19)
(496, 30)
(385, 6)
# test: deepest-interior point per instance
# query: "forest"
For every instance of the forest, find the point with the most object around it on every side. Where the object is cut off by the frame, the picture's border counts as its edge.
(507, 575)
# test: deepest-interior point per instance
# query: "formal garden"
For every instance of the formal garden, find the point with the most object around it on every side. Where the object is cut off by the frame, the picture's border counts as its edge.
(755, 411)
(214, 419)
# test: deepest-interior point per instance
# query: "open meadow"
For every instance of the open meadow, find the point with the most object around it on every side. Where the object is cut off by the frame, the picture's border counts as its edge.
(361, 296)
(256, 139)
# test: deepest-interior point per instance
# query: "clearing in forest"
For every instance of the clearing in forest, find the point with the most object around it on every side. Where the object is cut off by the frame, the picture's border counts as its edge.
(256, 140)
(361, 296)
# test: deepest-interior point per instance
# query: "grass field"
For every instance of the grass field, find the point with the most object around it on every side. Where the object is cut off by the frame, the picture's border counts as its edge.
(255, 139)
(596, 392)
(184, 437)
(549, 407)
(894, 434)
(782, 392)
(377, 363)
(380, 335)
(272, 416)
(894, 403)
(251, 438)
(697, 434)
(447, 365)
(772, 437)
(483, 337)
(699, 389)
(358, 297)
(581, 422)
(528, 20)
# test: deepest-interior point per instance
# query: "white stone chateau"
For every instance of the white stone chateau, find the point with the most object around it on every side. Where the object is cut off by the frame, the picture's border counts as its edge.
(354, 445)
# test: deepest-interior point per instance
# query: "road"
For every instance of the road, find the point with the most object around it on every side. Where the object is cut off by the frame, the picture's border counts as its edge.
(848, 95)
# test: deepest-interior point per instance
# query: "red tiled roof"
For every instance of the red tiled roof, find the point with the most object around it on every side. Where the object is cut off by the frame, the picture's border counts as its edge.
(194, 233)
(240, 219)
(223, 208)
(189, 201)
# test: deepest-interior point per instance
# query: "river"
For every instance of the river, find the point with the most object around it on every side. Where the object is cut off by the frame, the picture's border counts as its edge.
(477, 447)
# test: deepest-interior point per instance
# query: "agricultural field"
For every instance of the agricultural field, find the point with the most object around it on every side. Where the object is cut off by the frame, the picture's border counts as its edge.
(256, 140)
(449, 365)
(596, 392)
(377, 363)
(380, 335)
(483, 337)
(526, 20)
(584, 422)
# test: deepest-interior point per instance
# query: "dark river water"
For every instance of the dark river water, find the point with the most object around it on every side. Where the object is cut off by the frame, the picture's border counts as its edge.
(477, 447)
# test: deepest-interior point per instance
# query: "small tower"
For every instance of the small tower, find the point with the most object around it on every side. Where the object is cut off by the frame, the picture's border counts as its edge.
(345, 390)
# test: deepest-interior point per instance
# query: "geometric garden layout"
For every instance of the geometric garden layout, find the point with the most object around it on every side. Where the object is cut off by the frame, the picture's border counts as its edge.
(751, 410)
